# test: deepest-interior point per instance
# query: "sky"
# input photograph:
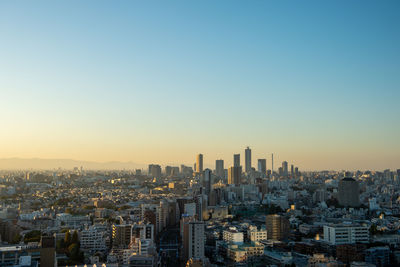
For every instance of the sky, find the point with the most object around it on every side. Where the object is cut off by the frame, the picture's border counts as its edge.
(317, 83)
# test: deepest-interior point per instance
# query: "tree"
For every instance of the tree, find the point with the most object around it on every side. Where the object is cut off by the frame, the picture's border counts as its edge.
(373, 229)
(32, 236)
(75, 238)
(60, 244)
(16, 239)
(73, 251)
(67, 238)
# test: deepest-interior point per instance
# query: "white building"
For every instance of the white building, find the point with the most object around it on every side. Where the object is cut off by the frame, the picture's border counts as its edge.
(233, 236)
(193, 240)
(73, 222)
(93, 239)
(338, 234)
(256, 235)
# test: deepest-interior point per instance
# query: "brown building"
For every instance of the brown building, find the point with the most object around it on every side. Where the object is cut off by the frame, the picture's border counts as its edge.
(350, 252)
(278, 227)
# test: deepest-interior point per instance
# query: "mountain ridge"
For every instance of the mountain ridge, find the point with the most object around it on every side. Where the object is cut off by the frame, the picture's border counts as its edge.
(14, 163)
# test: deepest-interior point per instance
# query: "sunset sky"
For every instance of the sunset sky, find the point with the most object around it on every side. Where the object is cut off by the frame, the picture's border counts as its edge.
(315, 82)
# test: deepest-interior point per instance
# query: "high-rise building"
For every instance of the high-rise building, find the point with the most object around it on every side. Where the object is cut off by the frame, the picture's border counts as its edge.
(236, 160)
(247, 158)
(186, 170)
(280, 171)
(193, 240)
(272, 164)
(219, 168)
(199, 163)
(154, 171)
(292, 170)
(349, 192)
(171, 170)
(262, 166)
(234, 175)
(207, 182)
(277, 227)
(285, 168)
(168, 170)
(121, 235)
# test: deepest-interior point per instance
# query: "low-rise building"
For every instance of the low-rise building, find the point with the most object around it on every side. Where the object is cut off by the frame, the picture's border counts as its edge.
(338, 234)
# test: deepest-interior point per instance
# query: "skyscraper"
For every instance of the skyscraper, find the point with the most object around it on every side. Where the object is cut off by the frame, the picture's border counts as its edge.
(349, 192)
(292, 170)
(262, 166)
(199, 163)
(272, 164)
(154, 171)
(219, 168)
(236, 160)
(234, 175)
(207, 182)
(285, 168)
(247, 158)
(278, 227)
(193, 240)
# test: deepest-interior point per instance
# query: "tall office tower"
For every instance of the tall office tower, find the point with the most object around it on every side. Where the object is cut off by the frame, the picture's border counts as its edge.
(272, 164)
(280, 171)
(168, 170)
(278, 227)
(262, 166)
(234, 175)
(285, 168)
(296, 172)
(247, 158)
(193, 240)
(199, 163)
(154, 171)
(387, 174)
(219, 168)
(349, 192)
(201, 202)
(236, 160)
(292, 170)
(207, 182)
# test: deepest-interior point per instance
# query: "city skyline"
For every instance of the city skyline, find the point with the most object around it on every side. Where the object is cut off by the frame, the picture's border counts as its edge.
(199, 133)
(314, 83)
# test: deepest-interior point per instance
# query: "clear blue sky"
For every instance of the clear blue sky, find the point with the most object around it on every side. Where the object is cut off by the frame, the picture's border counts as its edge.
(315, 82)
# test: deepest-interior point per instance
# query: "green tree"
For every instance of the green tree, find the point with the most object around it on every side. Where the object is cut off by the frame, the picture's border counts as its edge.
(75, 238)
(67, 238)
(73, 251)
(32, 236)
(60, 244)
(373, 229)
(16, 239)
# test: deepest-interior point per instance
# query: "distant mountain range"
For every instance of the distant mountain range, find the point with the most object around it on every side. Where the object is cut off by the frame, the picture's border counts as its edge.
(38, 163)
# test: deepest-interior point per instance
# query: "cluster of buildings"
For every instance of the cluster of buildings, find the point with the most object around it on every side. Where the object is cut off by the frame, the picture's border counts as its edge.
(197, 216)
